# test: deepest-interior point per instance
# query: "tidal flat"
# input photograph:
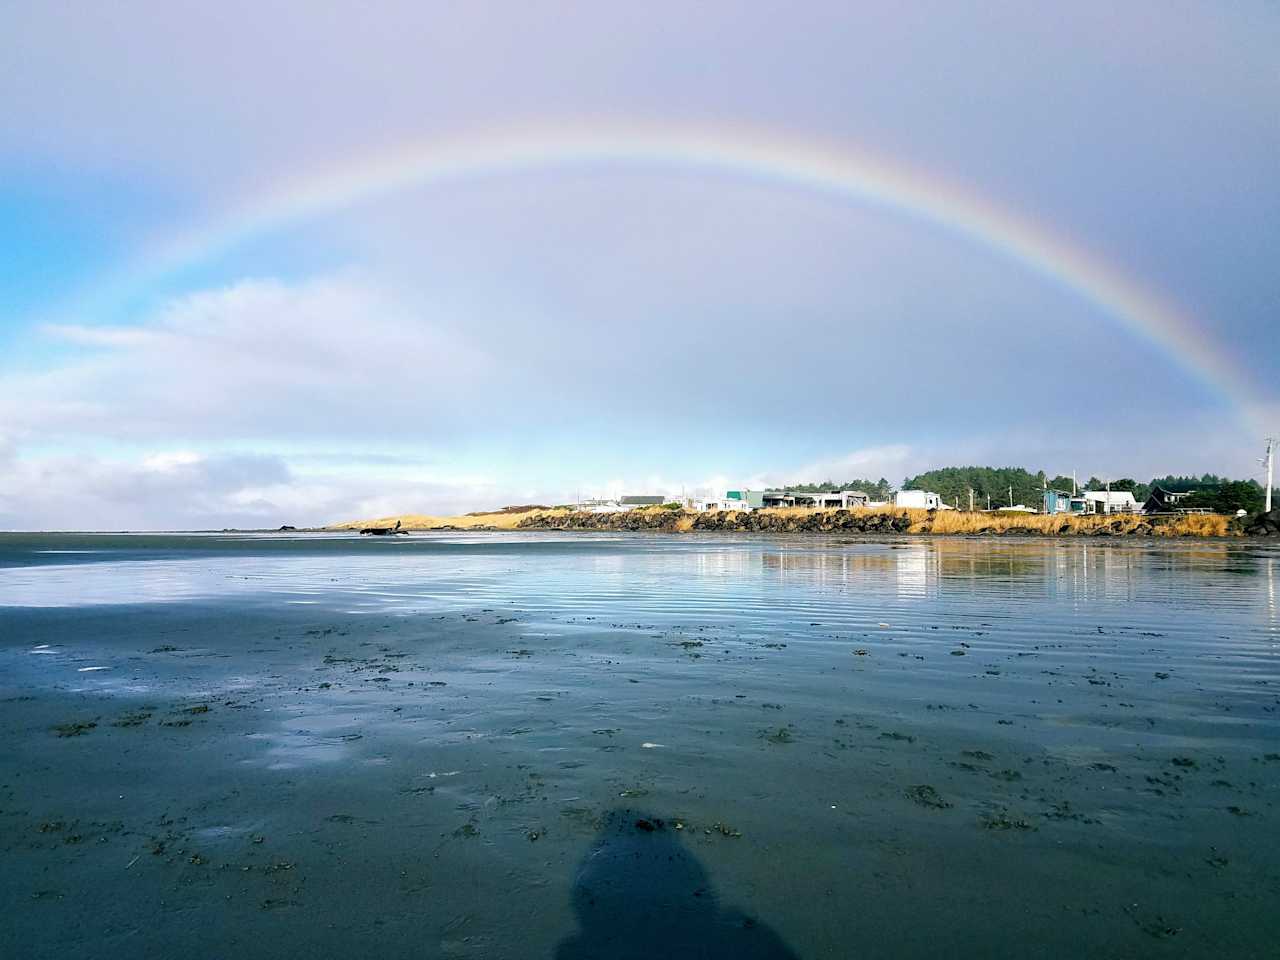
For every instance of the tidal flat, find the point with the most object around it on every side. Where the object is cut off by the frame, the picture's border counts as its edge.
(612, 745)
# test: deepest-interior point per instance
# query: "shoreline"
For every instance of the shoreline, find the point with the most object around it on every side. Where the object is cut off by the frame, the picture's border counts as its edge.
(883, 521)
(896, 522)
(978, 745)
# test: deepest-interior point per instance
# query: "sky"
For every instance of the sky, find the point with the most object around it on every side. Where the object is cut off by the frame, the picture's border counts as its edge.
(267, 263)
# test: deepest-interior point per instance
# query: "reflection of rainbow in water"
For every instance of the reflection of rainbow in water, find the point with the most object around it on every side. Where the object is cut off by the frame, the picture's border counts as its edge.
(752, 155)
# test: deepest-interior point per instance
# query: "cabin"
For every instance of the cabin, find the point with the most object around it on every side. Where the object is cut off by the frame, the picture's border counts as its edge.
(1160, 500)
(1059, 501)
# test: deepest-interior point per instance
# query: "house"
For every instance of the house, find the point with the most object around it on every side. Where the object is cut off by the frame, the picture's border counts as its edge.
(1059, 501)
(841, 499)
(825, 499)
(831, 499)
(750, 499)
(731, 500)
(918, 499)
(1109, 501)
(721, 503)
(1161, 500)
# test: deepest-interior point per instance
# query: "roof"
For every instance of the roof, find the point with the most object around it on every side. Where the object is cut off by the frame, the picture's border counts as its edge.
(645, 501)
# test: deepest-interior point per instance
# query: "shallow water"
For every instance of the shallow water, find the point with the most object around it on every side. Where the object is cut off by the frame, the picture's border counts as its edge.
(443, 744)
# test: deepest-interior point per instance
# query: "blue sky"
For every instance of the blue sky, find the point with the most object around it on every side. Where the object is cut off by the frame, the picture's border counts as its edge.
(536, 335)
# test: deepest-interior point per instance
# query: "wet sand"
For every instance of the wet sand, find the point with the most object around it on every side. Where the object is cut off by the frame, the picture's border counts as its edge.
(510, 747)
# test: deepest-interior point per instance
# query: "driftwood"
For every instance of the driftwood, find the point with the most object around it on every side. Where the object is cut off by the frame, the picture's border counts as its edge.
(383, 531)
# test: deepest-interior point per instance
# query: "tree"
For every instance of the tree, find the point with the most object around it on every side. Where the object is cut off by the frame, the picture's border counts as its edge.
(954, 484)
(880, 489)
(1228, 497)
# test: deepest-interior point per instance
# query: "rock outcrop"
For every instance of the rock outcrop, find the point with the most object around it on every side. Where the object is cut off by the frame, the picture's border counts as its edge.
(741, 521)
(657, 520)
(1264, 525)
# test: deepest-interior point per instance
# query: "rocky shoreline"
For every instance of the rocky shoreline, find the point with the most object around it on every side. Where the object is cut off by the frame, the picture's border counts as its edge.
(864, 522)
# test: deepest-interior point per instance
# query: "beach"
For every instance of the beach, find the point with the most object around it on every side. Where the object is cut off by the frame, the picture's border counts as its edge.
(546, 744)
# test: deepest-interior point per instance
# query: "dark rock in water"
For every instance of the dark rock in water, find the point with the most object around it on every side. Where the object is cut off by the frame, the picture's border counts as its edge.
(383, 531)
(285, 527)
(1265, 524)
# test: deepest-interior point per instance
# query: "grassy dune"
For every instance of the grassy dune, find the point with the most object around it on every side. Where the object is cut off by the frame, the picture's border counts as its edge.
(499, 520)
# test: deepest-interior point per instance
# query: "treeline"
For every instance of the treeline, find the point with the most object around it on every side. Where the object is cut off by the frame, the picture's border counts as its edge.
(1212, 492)
(954, 483)
(880, 489)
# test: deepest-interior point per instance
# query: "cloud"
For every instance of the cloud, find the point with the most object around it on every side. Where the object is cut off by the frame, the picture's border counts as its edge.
(870, 463)
(183, 490)
(86, 336)
(168, 489)
(334, 356)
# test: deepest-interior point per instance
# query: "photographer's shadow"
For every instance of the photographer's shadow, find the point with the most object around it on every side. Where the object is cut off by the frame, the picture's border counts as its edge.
(640, 893)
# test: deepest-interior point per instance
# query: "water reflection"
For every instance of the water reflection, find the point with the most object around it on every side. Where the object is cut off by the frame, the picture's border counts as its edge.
(673, 577)
(641, 893)
(1273, 616)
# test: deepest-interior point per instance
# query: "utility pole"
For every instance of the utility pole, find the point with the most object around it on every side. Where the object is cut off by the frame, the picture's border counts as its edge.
(988, 503)
(1074, 491)
(971, 499)
(1011, 495)
(1270, 462)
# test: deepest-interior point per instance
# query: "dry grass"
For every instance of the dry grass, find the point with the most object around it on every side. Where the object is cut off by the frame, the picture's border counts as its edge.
(946, 522)
(505, 519)
(960, 522)
(1201, 525)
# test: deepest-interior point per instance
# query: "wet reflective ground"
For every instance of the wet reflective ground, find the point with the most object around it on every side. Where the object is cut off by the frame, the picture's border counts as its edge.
(601, 745)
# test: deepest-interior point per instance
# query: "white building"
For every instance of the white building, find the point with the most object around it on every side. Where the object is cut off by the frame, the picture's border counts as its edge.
(599, 505)
(720, 503)
(1103, 501)
(918, 499)
(618, 504)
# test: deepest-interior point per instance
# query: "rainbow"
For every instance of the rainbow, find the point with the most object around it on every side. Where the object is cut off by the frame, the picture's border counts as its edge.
(784, 162)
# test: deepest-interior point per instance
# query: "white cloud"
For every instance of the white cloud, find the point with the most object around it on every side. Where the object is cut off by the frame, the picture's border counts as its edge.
(184, 490)
(336, 356)
(892, 462)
